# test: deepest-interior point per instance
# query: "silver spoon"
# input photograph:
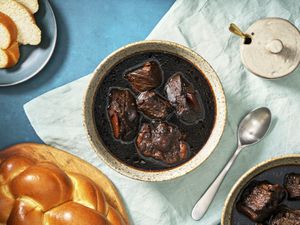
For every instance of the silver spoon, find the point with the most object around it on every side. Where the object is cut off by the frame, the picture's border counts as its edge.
(252, 129)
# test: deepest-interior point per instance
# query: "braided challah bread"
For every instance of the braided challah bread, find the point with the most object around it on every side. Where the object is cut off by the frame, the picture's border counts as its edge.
(36, 191)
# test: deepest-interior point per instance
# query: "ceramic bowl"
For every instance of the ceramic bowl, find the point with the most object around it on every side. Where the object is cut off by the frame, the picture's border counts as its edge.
(34, 58)
(156, 46)
(288, 160)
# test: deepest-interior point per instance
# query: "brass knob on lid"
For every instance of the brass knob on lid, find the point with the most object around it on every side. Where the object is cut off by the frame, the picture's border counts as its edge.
(233, 28)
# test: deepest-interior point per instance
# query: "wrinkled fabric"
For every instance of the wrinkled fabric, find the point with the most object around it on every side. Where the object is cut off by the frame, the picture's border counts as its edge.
(203, 26)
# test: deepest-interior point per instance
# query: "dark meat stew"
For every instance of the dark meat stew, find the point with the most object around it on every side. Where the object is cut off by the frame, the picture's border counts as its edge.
(123, 115)
(270, 198)
(185, 99)
(162, 142)
(153, 105)
(286, 216)
(154, 110)
(260, 200)
(292, 185)
(146, 77)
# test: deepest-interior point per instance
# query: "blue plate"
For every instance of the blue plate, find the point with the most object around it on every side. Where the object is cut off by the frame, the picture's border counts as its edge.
(34, 58)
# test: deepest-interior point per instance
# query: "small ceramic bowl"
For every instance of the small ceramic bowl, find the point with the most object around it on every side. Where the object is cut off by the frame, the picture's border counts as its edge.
(34, 58)
(156, 46)
(263, 168)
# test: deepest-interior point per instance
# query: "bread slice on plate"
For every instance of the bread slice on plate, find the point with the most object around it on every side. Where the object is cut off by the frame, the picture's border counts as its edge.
(10, 56)
(8, 31)
(28, 31)
(32, 5)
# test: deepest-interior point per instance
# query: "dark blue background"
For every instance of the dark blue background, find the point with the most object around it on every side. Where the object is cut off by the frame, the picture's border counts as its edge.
(87, 32)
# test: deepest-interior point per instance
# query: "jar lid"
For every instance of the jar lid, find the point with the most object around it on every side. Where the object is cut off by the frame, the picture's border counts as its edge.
(274, 49)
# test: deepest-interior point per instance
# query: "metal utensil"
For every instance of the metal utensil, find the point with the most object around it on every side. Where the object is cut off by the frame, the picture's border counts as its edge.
(252, 129)
(236, 30)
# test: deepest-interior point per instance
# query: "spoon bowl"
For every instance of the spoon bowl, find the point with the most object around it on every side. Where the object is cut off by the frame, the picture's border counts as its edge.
(254, 126)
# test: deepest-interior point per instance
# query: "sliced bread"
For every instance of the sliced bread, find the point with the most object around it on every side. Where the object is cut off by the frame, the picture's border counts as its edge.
(28, 31)
(9, 57)
(8, 31)
(32, 5)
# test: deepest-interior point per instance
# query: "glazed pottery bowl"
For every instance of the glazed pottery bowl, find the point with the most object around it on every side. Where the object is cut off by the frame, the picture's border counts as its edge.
(154, 46)
(272, 170)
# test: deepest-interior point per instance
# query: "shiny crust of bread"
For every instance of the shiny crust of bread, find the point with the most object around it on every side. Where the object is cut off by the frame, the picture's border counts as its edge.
(114, 217)
(9, 57)
(8, 31)
(38, 192)
(28, 31)
(25, 212)
(73, 213)
(31, 5)
(45, 183)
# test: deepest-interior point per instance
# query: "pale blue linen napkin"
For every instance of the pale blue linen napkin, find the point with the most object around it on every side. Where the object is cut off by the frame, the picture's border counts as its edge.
(203, 26)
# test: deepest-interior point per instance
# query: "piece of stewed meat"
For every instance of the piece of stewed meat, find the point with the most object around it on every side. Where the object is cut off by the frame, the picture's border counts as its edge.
(184, 98)
(123, 114)
(260, 199)
(146, 77)
(292, 185)
(286, 216)
(153, 105)
(162, 142)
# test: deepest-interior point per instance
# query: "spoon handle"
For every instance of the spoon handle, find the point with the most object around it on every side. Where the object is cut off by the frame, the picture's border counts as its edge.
(204, 202)
(236, 30)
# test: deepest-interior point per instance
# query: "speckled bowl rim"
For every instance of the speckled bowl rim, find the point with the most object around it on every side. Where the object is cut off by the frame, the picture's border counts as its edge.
(291, 159)
(162, 46)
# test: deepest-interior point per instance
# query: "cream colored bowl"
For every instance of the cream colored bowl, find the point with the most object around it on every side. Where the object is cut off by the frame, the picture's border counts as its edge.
(293, 159)
(155, 46)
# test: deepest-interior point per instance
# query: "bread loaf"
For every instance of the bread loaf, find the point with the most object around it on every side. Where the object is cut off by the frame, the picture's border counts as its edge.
(9, 57)
(8, 31)
(9, 47)
(28, 31)
(38, 192)
(32, 5)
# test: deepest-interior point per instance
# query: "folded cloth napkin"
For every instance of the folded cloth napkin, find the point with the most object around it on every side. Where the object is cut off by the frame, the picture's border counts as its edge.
(203, 26)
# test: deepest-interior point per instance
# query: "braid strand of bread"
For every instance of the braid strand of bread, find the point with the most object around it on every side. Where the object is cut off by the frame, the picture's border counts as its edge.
(34, 192)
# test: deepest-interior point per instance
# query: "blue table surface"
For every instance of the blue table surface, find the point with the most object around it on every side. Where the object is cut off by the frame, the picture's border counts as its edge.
(88, 30)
